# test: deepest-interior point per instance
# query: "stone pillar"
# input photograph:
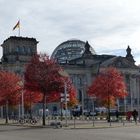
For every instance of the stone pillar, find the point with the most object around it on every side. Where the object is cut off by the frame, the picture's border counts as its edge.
(131, 93)
(1, 111)
(138, 97)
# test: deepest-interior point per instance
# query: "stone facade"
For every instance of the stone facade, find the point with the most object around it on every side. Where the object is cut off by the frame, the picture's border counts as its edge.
(84, 69)
(17, 52)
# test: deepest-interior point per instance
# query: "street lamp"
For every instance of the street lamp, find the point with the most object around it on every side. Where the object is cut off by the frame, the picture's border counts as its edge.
(22, 103)
(22, 99)
(65, 74)
(108, 98)
(93, 107)
(82, 107)
(109, 117)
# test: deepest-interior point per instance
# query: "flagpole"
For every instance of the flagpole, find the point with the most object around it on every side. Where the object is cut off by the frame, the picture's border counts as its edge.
(19, 29)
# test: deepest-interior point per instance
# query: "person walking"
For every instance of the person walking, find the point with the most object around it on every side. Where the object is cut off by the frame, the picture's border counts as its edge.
(135, 115)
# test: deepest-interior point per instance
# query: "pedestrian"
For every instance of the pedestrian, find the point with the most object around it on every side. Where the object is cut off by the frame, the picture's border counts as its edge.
(128, 115)
(135, 115)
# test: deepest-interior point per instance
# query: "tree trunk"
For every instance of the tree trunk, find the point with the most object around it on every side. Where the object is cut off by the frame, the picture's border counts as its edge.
(6, 118)
(61, 110)
(109, 109)
(44, 110)
(30, 107)
(1, 108)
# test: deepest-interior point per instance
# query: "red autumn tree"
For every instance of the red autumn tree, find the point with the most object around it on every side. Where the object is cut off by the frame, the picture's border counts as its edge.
(56, 97)
(72, 94)
(31, 98)
(70, 90)
(42, 75)
(108, 86)
(10, 89)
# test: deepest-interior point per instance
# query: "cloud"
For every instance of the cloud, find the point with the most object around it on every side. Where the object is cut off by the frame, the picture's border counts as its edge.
(105, 23)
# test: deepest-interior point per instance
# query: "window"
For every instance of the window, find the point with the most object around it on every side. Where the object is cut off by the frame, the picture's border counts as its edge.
(22, 50)
(79, 81)
(26, 49)
(17, 49)
(80, 95)
(29, 50)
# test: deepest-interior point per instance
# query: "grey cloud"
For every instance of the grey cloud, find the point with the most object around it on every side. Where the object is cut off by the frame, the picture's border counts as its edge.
(114, 52)
(107, 23)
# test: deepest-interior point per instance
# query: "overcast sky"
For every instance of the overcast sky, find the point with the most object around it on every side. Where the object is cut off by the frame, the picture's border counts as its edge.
(109, 25)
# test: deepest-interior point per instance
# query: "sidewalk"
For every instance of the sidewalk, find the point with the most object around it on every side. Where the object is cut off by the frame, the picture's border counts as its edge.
(86, 124)
(78, 124)
(101, 125)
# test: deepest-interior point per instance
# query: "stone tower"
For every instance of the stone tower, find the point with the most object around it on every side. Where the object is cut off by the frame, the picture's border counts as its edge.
(17, 52)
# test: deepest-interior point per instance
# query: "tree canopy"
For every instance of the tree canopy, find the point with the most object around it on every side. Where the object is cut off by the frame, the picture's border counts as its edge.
(10, 88)
(42, 75)
(109, 84)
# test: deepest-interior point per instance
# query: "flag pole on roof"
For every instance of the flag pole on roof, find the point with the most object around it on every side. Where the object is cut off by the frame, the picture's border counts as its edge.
(17, 26)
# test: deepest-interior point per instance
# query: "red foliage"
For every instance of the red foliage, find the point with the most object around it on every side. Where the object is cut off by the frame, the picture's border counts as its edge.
(10, 88)
(42, 75)
(72, 94)
(56, 96)
(31, 97)
(109, 84)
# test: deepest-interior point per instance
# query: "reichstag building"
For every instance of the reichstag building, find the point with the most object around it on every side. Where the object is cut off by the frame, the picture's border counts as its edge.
(80, 61)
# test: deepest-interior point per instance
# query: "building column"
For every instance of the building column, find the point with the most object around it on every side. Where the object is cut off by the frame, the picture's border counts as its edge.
(1, 111)
(138, 96)
(125, 110)
(83, 106)
(131, 94)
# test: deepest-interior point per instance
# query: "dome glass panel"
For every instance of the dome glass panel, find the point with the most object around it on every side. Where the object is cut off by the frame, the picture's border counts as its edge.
(69, 50)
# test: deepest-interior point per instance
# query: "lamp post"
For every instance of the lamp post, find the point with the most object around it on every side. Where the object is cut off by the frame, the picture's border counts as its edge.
(82, 107)
(109, 119)
(93, 109)
(22, 103)
(66, 107)
(108, 98)
(61, 113)
(22, 100)
(65, 74)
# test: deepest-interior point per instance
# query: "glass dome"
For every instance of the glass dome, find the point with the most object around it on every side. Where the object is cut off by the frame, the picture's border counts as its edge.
(69, 50)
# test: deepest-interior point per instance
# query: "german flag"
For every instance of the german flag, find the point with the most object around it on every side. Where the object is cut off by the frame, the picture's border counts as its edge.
(17, 25)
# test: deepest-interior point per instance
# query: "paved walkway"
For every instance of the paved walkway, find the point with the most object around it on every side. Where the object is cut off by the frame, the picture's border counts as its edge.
(76, 124)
